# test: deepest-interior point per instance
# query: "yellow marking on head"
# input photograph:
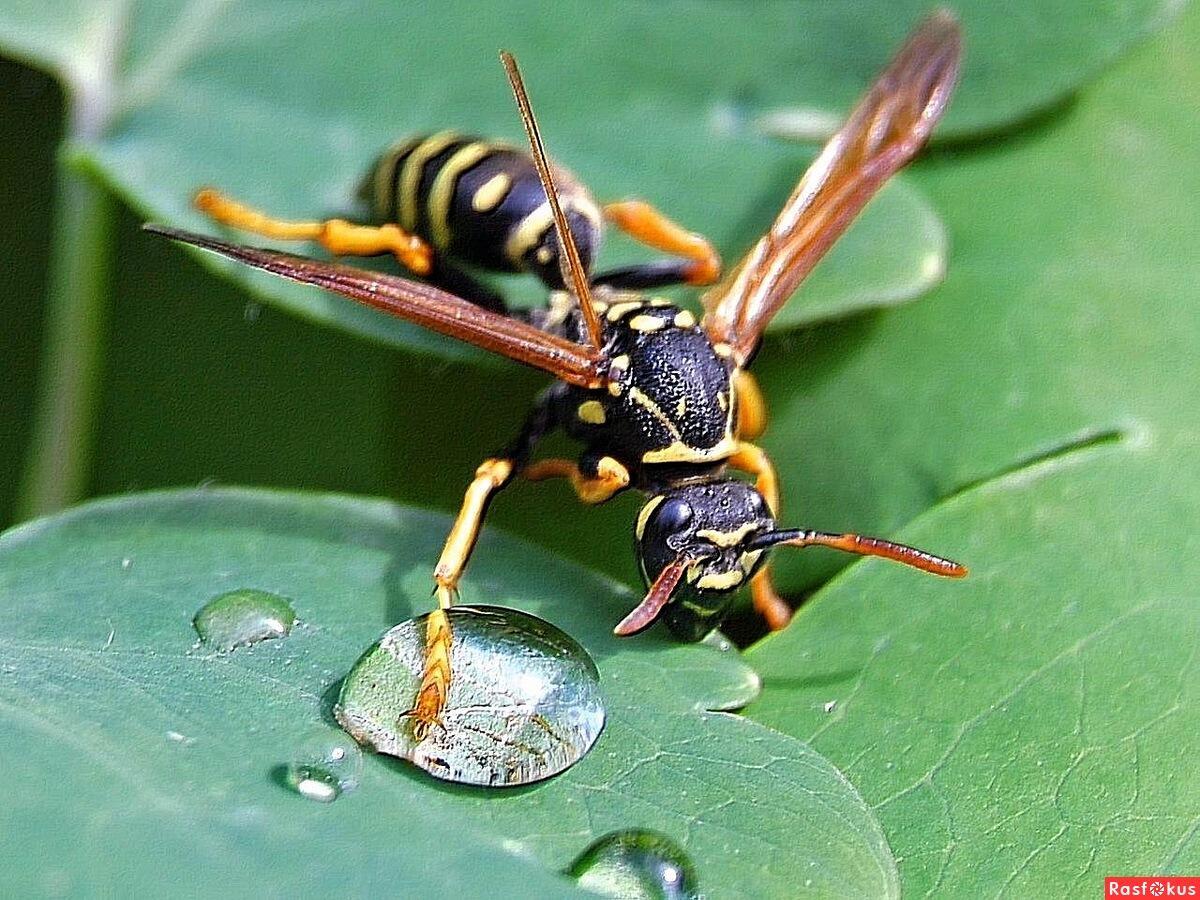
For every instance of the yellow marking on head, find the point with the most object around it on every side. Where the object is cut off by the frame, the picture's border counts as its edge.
(721, 581)
(681, 408)
(726, 538)
(646, 323)
(544, 255)
(410, 181)
(681, 452)
(748, 560)
(620, 362)
(528, 233)
(659, 301)
(723, 350)
(591, 411)
(385, 174)
(684, 319)
(491, 193)
(441, 192)
(639, 396)
(722, 401)
(620, 309)
(644, 514)
(616, 388)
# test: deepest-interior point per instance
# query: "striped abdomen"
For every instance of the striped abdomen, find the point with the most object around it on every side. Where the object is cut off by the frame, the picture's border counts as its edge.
(480, 202)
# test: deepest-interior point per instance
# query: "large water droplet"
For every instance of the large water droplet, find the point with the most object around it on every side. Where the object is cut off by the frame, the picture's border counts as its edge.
(324, 767)
(243, 617)
(524, 699)
(636, 864)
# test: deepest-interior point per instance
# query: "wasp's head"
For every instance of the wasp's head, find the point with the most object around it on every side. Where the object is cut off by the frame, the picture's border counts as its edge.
(695, 547)
(698, 543)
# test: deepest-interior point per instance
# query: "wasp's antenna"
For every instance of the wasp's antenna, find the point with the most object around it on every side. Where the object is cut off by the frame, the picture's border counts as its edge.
(863, 546)
(644, 614)
(574, 275)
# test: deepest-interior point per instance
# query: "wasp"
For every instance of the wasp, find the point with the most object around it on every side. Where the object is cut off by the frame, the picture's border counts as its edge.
(661, 401)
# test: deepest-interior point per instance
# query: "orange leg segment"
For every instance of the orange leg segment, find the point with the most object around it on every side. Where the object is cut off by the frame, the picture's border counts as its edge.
(751, 406)
(753, 459)
(610, 477)
(339, 237)
(644, 223)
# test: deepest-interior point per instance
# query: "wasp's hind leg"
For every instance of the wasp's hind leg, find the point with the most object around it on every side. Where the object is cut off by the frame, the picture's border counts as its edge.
(700, 263)
(338, 236)
(492, 475)
(753, 460)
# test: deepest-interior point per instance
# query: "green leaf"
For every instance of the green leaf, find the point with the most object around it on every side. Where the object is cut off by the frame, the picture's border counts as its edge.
(1023, 732)
(285, 107)
(145, 760)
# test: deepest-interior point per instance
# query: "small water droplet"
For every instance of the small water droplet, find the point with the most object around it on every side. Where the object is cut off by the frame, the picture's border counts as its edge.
(251, 312)
(243, 617)
(176, 737)
(637, 864)
(523, 704)
(830, 706)
(126, 564)
(325, 766)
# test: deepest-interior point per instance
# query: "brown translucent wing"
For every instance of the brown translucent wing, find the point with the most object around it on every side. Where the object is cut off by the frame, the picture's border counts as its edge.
(423, 305)
(885, 131)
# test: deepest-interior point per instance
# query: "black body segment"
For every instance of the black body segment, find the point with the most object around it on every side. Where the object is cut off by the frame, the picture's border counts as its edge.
(481, 203)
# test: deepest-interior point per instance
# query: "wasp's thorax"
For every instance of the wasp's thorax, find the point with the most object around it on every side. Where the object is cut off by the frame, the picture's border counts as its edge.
(668, 401)
(711, 526)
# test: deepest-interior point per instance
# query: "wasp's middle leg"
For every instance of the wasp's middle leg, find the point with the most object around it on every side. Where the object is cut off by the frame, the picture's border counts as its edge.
(699, 262)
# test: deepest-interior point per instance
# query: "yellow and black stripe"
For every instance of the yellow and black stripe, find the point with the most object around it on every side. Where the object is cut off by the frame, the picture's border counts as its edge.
(480, 202)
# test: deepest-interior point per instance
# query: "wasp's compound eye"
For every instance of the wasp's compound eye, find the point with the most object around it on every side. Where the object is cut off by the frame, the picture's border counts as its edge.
(673, 517)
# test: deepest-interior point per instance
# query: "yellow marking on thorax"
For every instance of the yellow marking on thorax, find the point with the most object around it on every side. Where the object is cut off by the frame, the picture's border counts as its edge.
(385, 174)
(591, 411)
(644, 514)
(684, 319)
(726, 538)
(617, 310)
(441, 192)
(491, 193)
(681, 452)
(646, 323)
(414, 166)
(639, 396)
(681, 408)
(722, 350)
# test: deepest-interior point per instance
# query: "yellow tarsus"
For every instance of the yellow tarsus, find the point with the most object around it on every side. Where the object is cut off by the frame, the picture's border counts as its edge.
(435, 683)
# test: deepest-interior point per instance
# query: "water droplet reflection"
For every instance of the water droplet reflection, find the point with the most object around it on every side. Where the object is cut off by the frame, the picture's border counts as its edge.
(524, 700)
(636, 864)
(324, 767)
(243, 617)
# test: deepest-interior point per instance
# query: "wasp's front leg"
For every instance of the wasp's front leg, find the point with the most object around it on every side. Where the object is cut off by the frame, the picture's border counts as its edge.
(753, 459)
(492, 475)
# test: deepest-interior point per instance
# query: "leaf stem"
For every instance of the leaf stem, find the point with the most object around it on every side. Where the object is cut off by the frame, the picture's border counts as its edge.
(58, 462)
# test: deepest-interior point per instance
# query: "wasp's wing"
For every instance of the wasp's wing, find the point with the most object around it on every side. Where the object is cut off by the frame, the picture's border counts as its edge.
(424, 305)
(886, 129)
